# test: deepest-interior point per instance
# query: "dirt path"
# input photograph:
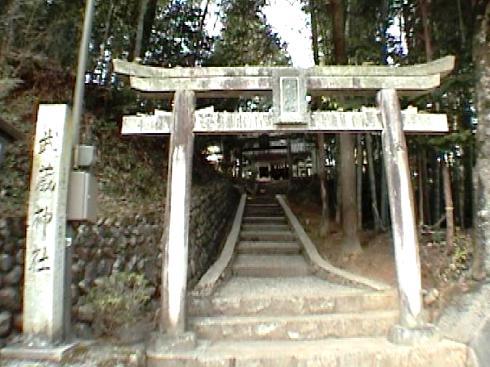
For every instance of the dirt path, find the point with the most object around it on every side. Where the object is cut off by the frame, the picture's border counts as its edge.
(444, 270)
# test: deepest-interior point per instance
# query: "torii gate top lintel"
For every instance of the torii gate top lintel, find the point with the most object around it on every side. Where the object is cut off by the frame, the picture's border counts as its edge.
(407, 80)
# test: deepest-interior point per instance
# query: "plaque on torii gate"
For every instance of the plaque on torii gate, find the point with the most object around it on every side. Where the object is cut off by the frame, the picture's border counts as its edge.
(289, 88)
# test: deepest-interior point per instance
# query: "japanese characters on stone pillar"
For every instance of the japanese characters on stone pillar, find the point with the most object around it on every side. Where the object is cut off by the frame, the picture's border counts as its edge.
(44, 284)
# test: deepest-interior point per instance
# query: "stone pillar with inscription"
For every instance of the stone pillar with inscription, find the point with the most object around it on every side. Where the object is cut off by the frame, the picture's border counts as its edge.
(45, 288)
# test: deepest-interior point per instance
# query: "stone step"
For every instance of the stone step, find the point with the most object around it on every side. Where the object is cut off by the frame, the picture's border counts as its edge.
(249, 219)
(263, 213)
(263, 205)
(270, 266)
(267, 235)
(268, 247)
(265, 227)
(352, 352)
(303, 327)
(262, 200)
(291, 296)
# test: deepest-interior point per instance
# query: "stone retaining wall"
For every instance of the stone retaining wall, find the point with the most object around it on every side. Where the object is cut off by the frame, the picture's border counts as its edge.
(12, 244)
(122, 243)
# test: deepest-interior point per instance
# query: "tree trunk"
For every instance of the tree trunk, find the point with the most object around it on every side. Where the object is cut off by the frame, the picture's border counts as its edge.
(459, 184)
(325, 36)
(420, 185)
(240, 163)
(146, 18)
(202, 23)
(378, 225)
(425, 13)
(384, 30)
(350, 242)
(324, 225)
(424, 6)
(290, 165)
(445, 169)
(151, 10)
(7, 39)
(425, 186)
(448, 200)
(406, 24)
(324, 221)
(314, 32)
(138, 48)
(338, 191)
(481, 57)
(359, 159)
(347, 19)
(468, 184)
(384, 204)
(105, 40)
(203, 16)
(338, 31)
(134, 18)
(226, 150)
(462, 30)
(437, 190)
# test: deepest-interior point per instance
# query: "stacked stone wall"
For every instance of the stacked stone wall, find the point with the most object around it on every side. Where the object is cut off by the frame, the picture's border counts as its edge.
(128, 243)
(12, 245)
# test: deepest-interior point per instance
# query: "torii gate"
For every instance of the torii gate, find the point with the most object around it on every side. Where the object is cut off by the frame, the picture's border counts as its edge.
(289, 87)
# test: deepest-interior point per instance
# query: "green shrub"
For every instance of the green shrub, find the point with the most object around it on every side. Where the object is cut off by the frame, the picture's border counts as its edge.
(118, 300)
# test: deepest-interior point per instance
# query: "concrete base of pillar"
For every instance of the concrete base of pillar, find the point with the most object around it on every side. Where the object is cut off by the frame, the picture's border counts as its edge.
(46, 353)
(164, 343)
(412, 336)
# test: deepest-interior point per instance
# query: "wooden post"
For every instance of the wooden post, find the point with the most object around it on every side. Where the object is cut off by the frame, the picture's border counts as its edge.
(324, 223)
(290, 164)
(420, 191)
(176, 224)
(350, 242)
(384, 203)
(378, 223)
(240, 160)
(448, 202)
(359, 160)
(401, 207)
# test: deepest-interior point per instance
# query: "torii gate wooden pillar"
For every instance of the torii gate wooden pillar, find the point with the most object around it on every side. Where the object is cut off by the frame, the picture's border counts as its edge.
(176, 222)
(289, 114)
(402, 213)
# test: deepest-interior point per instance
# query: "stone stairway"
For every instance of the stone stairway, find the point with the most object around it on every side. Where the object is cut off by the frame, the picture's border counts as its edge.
(272, 294)
(267, 247)
(274, 312)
